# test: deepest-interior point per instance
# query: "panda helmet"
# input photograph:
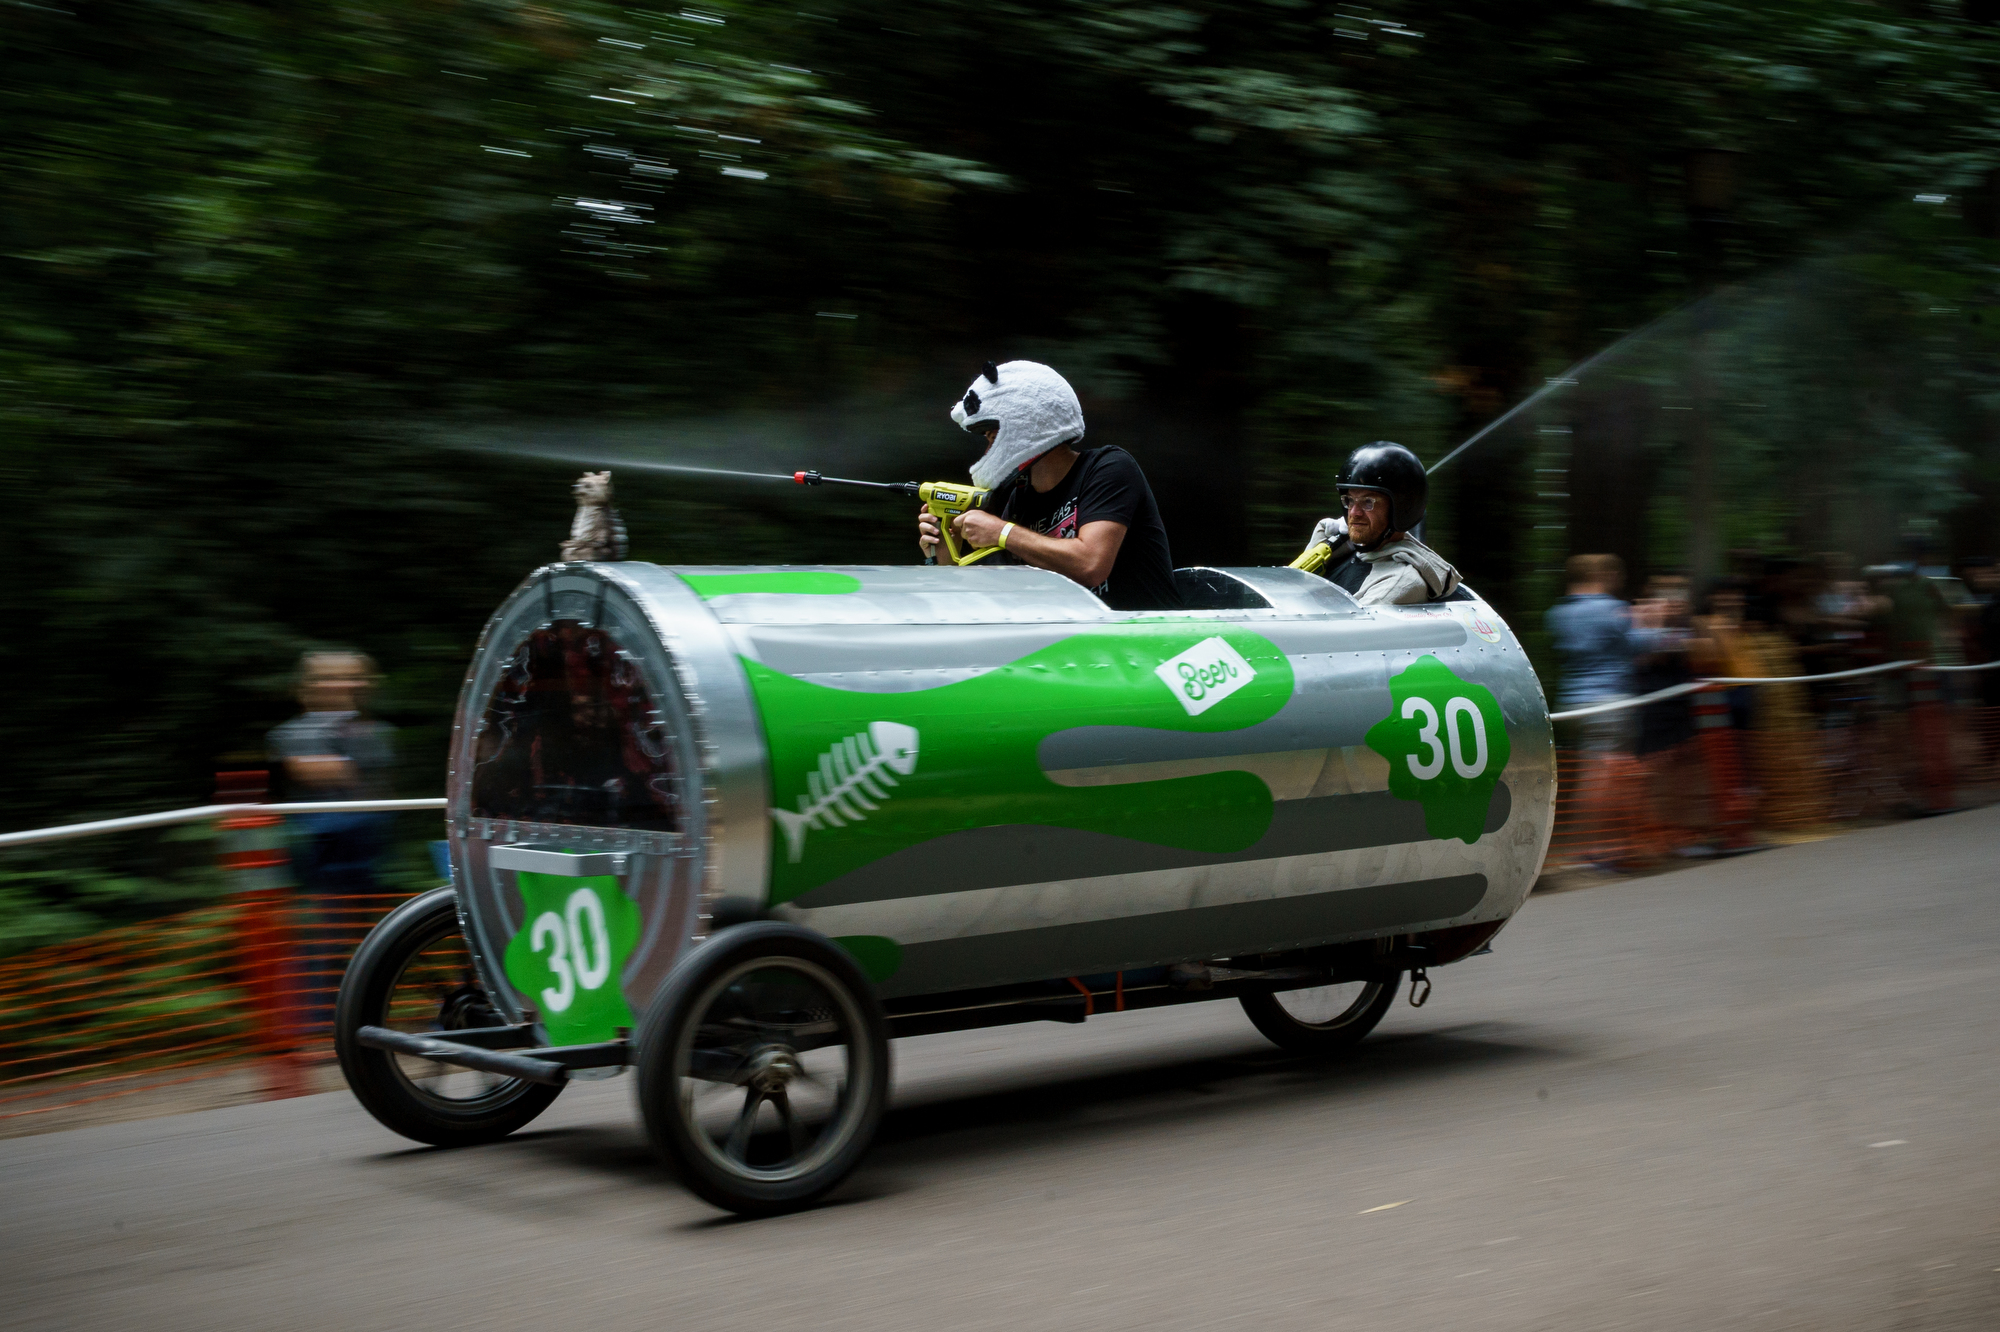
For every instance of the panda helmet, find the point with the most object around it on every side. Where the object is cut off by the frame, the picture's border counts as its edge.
(1034, 408)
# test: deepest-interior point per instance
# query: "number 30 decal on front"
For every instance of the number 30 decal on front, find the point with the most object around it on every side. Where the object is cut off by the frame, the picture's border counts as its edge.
(575, 946)
(1446, 743)
(568, 956)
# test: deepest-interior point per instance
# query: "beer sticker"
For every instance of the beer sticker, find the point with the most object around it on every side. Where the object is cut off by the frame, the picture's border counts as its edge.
(1205, 674)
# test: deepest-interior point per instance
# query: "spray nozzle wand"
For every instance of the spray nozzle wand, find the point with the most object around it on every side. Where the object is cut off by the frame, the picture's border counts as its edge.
(815, 479)
(945, 499)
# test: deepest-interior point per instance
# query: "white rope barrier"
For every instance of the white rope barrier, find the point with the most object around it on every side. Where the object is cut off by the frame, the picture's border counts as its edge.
(169, 817)
(1807, 679)
(1719, 681)
(1620, 704)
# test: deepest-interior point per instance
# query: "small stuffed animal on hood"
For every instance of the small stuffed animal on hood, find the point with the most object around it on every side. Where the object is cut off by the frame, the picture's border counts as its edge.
(598, 533)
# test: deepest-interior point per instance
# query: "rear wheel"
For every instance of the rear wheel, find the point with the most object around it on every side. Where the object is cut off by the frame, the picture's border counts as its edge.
(413, 973)
(764, 1067)
(1322, 1019)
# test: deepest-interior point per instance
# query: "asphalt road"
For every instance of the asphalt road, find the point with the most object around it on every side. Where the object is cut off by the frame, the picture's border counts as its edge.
(1760, 1093)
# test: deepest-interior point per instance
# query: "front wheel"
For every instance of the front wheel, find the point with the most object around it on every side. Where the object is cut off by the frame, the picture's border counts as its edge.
(764, 1067)
(1323, 1019)
(413, 973)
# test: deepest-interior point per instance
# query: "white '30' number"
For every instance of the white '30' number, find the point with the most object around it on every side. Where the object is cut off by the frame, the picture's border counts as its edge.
(1427, 736)
(579, 948)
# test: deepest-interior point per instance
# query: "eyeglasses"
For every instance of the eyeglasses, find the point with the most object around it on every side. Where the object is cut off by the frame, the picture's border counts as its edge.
(1366, 503)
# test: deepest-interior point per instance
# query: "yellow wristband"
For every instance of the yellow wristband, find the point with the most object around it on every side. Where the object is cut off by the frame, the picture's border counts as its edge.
(1003, 535)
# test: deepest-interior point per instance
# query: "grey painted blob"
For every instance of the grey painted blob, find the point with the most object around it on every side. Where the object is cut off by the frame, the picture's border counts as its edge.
(1336, 698)
(895, 658)
(856, 646)
(1228, 930)
(894, 594)
(992, 594)
(1016, 853)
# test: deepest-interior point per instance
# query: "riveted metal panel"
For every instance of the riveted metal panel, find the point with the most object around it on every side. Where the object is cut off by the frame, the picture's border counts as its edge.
(989, 769)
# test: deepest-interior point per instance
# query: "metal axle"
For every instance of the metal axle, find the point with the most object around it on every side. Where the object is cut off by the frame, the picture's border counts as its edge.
(550, 1066)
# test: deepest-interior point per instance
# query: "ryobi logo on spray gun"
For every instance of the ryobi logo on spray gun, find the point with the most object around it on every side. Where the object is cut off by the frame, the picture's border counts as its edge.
(1205, 674)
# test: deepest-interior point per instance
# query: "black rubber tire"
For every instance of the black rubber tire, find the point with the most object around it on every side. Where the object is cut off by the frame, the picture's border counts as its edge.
(697, 981)
(1286, 1031)
(374, 1075)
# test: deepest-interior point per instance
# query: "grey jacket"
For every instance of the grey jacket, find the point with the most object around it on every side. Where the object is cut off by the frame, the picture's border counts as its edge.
(1406, 572)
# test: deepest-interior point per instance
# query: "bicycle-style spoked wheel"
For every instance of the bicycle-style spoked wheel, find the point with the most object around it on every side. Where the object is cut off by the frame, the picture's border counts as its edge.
(434, 993)
(764, 1068)
(413, 974)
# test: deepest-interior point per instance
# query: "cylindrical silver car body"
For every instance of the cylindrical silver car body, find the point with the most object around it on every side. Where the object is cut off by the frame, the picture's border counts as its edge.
(976, 776)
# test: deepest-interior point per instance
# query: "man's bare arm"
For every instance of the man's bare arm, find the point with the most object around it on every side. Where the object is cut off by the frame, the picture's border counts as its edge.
(1085, 559)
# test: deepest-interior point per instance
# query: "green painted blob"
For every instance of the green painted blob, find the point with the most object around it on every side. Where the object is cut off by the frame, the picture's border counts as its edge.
(859, 776)
(880, 958)
(577, 936)
(1446, 742)
(805, 583)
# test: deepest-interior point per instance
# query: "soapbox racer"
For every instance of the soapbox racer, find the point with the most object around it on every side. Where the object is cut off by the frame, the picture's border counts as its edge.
(738, 827)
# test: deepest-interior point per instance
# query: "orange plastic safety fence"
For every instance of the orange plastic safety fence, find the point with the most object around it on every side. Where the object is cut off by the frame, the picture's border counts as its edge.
(1737, 787)
(1976, 750)
(183, 997)
(1605, 812)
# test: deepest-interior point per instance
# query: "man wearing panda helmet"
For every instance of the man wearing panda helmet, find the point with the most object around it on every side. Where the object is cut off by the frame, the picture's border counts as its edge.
(1089, 516)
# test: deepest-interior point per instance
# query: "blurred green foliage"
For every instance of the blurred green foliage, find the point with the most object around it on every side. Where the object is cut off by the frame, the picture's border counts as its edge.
(259, 261)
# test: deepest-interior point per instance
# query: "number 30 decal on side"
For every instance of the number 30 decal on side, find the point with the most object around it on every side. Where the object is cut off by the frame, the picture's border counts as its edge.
(567, 959)
(1459, 706)
(1446, 743)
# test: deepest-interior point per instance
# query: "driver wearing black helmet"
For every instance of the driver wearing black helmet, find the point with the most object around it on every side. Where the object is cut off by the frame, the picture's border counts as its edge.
(1369, 551)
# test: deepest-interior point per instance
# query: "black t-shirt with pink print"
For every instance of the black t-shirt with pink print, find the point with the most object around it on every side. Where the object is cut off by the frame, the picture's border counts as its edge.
(1105, 485)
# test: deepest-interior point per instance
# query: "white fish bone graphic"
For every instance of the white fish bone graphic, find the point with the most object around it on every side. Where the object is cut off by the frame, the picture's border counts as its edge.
(851, 777)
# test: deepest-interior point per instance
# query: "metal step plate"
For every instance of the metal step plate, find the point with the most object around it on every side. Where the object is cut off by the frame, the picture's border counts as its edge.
(554, 860)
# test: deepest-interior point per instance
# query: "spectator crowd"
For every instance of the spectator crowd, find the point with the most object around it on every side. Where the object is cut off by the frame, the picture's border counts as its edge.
(1694, 773)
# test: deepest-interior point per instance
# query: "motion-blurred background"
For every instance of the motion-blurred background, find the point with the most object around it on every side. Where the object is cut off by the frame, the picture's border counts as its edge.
(308, 314)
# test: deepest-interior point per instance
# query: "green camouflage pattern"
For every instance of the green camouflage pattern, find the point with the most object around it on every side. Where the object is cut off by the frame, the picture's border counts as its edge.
(857, 776)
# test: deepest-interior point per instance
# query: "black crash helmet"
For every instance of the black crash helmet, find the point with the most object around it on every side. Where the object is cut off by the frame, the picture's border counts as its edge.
(1393, 470)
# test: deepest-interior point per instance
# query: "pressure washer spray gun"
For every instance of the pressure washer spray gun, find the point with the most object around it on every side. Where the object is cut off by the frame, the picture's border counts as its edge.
(945, 499)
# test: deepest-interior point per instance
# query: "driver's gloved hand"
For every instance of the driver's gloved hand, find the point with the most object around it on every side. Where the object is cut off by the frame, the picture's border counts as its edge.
(1329, 530)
